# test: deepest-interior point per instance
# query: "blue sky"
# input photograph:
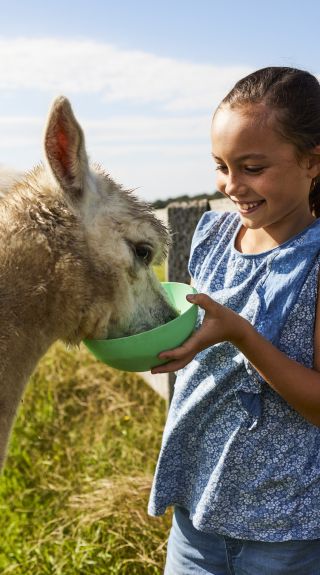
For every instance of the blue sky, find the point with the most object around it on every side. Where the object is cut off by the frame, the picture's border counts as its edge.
(143, 77)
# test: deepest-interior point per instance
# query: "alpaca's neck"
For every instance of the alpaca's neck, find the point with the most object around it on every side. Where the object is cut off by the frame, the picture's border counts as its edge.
(43, 293)
(18, 362)
(28, 318)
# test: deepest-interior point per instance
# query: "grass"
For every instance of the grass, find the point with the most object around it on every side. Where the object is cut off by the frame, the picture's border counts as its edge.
(160, 271)
(74, 491)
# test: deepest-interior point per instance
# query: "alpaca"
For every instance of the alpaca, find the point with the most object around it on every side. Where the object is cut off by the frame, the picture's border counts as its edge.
(75, 260)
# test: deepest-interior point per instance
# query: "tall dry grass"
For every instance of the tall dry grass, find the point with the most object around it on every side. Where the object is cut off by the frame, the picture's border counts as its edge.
(73, 495)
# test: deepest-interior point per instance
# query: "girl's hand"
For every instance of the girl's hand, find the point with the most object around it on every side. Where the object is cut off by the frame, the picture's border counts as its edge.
(219, 324)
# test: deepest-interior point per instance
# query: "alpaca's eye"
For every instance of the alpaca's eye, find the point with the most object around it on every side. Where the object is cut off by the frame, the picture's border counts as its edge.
(143, 252)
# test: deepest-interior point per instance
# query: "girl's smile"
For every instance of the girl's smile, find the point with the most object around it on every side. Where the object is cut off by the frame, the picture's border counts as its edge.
(261, 173)
(248, 207)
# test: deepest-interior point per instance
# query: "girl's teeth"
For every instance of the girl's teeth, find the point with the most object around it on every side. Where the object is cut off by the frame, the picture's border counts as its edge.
(249, 206)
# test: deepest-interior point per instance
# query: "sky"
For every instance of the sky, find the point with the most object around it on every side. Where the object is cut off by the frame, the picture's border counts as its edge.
(143, 77)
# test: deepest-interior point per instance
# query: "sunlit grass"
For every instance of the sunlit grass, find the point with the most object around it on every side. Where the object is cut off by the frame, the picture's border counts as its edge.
(160, 272)
(73, 495)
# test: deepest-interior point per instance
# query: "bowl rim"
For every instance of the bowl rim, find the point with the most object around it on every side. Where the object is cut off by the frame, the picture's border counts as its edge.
(154, 329)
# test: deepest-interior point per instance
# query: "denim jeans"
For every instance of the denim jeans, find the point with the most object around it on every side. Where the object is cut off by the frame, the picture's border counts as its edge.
(191, 552)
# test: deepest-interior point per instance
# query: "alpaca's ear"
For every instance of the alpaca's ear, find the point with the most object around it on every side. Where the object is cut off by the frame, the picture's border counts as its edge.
(65, 148)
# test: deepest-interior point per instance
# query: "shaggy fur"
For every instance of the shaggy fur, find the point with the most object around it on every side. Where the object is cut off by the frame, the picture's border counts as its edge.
(75, 260)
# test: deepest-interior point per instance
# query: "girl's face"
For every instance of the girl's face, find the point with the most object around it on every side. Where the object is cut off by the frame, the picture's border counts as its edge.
(260, 171)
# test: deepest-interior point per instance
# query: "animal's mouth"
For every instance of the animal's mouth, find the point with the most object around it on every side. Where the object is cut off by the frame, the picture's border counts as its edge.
(142, 326)
(174, 313)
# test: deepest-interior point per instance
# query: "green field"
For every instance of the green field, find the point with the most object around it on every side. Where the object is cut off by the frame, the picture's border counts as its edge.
(160, 271)
(75, 487)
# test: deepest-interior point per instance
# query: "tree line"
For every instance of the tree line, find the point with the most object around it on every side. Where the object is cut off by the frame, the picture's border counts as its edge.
(160, 204)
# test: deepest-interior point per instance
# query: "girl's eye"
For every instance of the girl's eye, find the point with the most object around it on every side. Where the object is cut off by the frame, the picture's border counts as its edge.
(254, 169)
(221, 168)
(249, 169)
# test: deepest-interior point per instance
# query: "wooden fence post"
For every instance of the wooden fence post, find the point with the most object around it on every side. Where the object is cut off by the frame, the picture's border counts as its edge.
(182, 221)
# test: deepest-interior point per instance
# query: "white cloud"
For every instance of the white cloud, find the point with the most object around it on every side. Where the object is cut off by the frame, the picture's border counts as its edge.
(151, 129)
(126, 132)
(164, 151)
(83, 66)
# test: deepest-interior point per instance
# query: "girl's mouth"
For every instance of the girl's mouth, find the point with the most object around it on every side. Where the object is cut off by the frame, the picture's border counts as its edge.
(249, 207)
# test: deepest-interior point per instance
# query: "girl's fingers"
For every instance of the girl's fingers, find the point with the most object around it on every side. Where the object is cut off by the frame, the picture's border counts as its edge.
(202, 300)
(177, 358)
(178, 352)
(171, 356)
(170, 366)
(182, 355)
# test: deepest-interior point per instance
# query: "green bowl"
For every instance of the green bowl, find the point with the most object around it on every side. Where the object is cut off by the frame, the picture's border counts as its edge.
(139, 352)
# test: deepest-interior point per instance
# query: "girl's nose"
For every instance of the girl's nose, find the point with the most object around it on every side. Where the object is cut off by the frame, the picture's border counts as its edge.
(232, 184)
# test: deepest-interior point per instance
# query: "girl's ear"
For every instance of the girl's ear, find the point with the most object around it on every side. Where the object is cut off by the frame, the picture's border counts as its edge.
(314, 162)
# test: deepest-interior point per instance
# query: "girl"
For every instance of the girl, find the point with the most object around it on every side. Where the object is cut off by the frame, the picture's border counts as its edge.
(240, 458)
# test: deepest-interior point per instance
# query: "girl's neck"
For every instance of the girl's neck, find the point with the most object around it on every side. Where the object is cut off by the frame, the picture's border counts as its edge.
(256, 241)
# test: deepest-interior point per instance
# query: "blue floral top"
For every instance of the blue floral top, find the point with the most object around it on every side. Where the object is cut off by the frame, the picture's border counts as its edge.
(234, 453)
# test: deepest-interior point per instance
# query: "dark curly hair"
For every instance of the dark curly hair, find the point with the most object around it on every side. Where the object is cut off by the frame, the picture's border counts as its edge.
(295, 95)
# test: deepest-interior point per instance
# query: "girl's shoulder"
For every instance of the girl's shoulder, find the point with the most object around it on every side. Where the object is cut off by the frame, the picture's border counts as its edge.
(214, 232)
(212, 224)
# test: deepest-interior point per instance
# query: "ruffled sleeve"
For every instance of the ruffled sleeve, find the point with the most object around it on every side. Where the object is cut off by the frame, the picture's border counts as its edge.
(210, 226)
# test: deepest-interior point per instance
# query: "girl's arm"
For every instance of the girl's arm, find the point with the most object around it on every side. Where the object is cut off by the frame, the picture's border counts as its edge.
(298, 385)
